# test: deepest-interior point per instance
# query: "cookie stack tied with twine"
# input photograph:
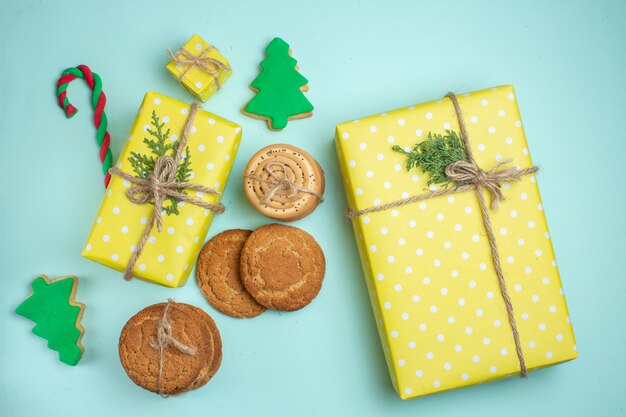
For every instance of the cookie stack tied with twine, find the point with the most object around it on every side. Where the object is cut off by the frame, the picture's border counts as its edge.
(284, 182)
(170, 348)
(243, 273)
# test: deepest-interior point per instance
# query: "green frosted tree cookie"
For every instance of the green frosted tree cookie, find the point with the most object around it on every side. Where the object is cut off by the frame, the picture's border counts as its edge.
(279, 88)
(56, 315)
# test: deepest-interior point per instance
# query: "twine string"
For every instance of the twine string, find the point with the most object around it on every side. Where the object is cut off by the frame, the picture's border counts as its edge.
(211, 66)
(165, 338)
(466, 172)
(413, 199)
(160, 184)
(280, 184)
(489, 180)
(469, 176)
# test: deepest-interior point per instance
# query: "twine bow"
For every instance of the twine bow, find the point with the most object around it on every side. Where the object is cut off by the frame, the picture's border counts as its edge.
(211, 66)
(164, 339)
(160, 184)
(469, 176)
(280, 184)
(462, 172)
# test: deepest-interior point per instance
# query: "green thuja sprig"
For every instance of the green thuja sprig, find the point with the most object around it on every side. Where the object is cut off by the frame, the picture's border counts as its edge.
(434, 154)
(184, 169)
(143, 165)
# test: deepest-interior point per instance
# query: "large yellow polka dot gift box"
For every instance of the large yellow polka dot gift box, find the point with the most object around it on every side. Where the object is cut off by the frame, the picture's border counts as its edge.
(167, 257)
(454, 242)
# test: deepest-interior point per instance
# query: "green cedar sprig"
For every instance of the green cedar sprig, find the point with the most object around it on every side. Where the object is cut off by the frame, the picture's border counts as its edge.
(143, 165)
(434, 154)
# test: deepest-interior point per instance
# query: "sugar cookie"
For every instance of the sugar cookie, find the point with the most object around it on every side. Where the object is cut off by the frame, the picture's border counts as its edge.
(279, 89)
(217, 274)
(170, 348)
(282, 267)
(212, 345)
(57, 315)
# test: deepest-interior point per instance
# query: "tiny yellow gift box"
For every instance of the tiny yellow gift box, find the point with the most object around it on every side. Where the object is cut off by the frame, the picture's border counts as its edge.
(428, 264)
(167, 256)
(200, 67)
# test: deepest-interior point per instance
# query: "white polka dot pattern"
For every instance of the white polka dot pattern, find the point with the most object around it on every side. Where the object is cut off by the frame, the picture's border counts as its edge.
(197, 81)
(120, 224)
(437, 290)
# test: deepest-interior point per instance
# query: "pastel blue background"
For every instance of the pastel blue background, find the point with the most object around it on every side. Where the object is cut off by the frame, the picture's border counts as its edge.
(567, 61)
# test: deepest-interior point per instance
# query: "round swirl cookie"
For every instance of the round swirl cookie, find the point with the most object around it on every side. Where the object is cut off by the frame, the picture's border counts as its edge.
(284, 182)
(282, 267)
(217, 274)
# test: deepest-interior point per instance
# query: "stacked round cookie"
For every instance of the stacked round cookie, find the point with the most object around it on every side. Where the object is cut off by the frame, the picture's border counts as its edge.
(284, 182)
(243, 273)
(170, 348)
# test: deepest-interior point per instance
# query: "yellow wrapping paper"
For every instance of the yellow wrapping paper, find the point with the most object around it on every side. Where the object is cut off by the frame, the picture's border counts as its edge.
(200, 83)
(167, 257)
(428, 268)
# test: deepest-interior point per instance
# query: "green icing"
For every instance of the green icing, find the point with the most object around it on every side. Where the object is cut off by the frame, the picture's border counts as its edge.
(56, 319)
(279, 95)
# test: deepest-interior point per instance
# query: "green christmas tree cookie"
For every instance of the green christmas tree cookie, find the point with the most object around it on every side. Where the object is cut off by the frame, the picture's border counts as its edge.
(279, 88)
(57, 315)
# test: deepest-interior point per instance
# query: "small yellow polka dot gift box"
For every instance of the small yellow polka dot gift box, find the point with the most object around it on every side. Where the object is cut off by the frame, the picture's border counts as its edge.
(200, 67)
(168, 256)
(454, 242)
